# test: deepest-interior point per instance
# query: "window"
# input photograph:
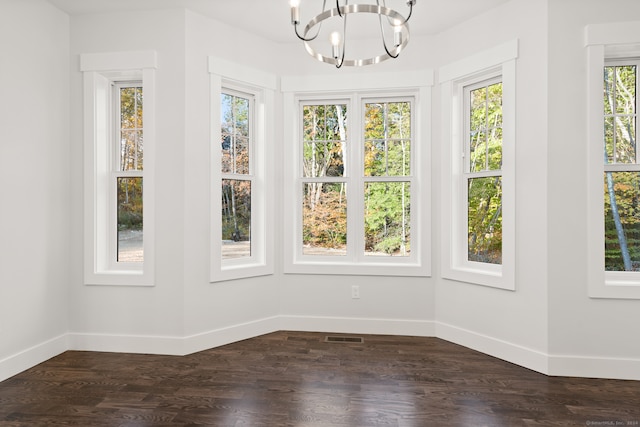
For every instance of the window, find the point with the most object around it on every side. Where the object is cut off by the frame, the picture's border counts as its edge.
(483, 172)
(236, 141)
(127, 173)
(478, 209)
(614, 162)
(388, 177)
(242, 194)
(324, 189)
(621, 168)
(359, 158)
(119, 160)
(381, 159)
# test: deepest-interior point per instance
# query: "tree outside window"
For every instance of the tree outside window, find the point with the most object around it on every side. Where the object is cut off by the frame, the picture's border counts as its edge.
(128, 174)
(382, 177)
(387, 159)
(621, 176)
(324, 190)
(235, 144)
(483, 173)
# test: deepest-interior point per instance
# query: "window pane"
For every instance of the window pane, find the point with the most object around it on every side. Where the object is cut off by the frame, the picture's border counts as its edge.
(324, 218)
(609, 81)
(399, 120)
(129, 194)
(485, 220)
(494, 105)
(131, 147)
(609, 139)
(324, 135)
(625, 130)
(399, 157)
(625, 89)
(387, 218)
(620, 114)
(323, 159)
(236, 218)
(485, 128)
(478, 109)
(387, 136)
(495, 148)
(235, 134)
(478, 151)
(375, 157)
(622, 221)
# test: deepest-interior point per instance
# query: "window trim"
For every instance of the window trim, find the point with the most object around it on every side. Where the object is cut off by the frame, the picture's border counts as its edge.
(100, 71)
(498, 62)
(604, 42)
(225, 75)
(358, 89)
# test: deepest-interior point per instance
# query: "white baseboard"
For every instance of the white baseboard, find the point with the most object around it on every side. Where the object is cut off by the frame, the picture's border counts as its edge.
(519, 355)
(32, 356)
(594, 367)
(231, 334)
(350, 325)
(555, 365)
(113, 343)
(175, 346)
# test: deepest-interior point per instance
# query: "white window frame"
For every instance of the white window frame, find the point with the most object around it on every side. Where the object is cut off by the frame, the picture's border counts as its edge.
(101, 73)
(229, 77)
(355, 91)
(603, 43)
(495, 64)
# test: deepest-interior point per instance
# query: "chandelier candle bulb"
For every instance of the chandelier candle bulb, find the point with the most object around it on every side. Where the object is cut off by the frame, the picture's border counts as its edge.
(397, 34)
(295, 11)
(335, 44)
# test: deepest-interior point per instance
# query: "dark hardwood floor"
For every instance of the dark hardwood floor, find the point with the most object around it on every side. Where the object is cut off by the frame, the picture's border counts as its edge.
(297, 379)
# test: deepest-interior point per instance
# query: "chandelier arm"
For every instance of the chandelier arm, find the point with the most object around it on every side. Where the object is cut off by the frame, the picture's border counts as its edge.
(295, 27)
(410, 3)
(304, 39)
(344, 42)
(410, 11)
(384, 43)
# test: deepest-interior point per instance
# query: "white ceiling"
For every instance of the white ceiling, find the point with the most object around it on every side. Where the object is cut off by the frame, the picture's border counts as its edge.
(270, 19)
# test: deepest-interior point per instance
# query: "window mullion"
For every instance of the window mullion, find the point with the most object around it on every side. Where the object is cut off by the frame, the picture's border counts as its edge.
(355, 210)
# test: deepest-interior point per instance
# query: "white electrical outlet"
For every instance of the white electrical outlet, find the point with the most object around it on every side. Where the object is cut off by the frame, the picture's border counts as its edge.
(355, 292)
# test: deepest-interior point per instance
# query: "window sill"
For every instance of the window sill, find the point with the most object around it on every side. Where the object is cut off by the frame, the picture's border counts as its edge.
(119, 278)
(347, 268)
(494, 278)
(618, 285)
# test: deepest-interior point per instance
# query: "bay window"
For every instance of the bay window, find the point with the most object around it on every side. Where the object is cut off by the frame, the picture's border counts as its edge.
(357, 161)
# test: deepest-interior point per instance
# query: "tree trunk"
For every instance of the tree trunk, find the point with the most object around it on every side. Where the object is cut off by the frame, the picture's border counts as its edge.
(626, 258)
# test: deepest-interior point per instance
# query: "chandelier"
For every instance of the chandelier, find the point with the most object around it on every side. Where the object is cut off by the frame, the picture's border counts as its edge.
(388, 18)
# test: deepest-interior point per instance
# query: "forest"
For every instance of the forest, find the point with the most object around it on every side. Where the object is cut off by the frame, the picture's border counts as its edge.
(484, 179)
(386, 197)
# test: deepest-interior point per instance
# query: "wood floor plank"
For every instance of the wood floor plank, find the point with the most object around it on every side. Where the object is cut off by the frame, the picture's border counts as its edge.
(297, 379)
